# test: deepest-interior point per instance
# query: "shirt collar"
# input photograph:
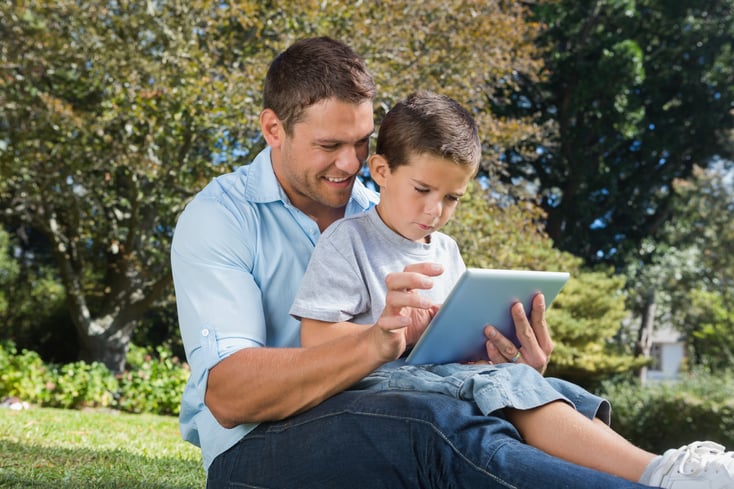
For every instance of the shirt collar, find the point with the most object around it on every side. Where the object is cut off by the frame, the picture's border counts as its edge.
(262, 186)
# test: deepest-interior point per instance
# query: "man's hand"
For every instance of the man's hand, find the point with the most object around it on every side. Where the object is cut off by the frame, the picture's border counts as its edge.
(407, 313)
(535, 341)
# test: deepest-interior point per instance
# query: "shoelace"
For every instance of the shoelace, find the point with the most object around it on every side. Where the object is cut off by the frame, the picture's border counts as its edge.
(703, 456)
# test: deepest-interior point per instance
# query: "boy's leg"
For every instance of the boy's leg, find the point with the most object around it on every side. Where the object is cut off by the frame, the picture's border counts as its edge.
(367, 439)
(560, 430)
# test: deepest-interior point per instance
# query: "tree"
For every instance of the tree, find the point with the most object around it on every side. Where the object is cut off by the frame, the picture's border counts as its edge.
(9, 271)
(697, 283)
(638, 93)
(32, 311)
(690, 266)
(112, 114)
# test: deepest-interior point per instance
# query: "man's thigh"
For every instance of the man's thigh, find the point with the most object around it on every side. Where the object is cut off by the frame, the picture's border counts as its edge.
(365, 439)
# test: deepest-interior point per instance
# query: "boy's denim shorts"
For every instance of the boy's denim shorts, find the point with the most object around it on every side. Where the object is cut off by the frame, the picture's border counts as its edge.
(491, 387)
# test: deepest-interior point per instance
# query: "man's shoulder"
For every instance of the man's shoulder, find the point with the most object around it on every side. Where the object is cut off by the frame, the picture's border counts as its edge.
(254, 182)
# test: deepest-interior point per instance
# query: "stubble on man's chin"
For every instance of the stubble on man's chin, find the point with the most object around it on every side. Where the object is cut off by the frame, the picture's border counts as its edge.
(337, 200)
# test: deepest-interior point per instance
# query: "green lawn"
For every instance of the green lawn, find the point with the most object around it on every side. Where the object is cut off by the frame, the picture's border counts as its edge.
(65, 449)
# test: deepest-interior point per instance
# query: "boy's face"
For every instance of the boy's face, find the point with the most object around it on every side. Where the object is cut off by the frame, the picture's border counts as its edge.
(318, 162)
(419, 197)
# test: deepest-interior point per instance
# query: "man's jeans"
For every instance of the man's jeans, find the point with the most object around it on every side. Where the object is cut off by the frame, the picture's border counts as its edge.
(388, 439)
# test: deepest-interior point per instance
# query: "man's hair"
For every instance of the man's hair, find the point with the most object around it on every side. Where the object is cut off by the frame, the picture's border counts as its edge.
(428, 123)
(312, 70)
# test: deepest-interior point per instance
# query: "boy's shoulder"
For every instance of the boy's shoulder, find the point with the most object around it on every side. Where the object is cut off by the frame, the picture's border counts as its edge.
(350, 225)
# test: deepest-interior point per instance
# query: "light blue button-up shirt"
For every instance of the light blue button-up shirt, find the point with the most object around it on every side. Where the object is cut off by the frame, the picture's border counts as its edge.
(239, 251)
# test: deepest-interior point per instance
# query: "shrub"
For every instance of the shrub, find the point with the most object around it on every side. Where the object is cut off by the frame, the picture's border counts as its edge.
(23, 374)
(153, 384)
(80, 384)
(700, 406)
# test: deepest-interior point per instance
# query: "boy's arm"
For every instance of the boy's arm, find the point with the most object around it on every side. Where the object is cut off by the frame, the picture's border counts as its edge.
(315, 332)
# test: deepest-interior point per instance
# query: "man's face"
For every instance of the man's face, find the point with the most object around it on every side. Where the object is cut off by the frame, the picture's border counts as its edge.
(319, 160)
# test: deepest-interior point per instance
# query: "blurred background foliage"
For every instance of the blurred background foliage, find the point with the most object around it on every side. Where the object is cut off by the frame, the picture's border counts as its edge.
(606, 128)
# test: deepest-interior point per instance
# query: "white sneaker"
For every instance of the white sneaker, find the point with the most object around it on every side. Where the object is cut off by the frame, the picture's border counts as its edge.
(700, 465)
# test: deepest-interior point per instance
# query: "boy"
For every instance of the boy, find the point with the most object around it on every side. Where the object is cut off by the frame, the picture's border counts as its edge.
(427, 151)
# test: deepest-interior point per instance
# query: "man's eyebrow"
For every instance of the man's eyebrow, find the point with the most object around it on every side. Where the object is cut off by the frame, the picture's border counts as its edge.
(329, 141)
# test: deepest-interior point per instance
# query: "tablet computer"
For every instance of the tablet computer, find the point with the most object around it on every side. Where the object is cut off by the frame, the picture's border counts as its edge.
(481, 297)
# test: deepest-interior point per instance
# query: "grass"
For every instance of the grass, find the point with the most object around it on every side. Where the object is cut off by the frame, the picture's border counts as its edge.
(65, 449)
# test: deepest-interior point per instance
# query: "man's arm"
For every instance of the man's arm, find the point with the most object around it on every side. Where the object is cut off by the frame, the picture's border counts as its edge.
(265, 384)
(315, 332)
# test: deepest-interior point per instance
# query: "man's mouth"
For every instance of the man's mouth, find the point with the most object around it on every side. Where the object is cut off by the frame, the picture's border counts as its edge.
(337, 180)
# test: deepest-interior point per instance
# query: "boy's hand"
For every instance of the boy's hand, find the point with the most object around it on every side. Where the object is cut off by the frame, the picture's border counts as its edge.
(406, 312)
(535, 341)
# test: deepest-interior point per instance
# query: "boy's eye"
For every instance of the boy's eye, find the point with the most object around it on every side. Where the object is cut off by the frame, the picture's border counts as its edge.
(421, 190)
(452, 198)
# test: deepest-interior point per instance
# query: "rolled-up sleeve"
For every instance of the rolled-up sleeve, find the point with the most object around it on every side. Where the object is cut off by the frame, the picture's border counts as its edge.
(219, 303)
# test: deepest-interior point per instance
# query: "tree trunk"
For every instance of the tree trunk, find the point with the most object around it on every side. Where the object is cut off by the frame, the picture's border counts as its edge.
(647, 324)
(107, 343)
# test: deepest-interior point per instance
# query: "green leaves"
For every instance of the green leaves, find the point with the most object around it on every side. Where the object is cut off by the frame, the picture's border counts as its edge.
(638, 92)
(113, 115)
(690, 267)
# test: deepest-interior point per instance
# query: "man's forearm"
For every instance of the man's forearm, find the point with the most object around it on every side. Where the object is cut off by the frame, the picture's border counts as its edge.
(267, 384)
(315, 332)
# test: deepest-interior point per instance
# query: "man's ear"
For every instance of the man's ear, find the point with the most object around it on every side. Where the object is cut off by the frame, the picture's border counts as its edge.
(272, 128)
(379, 169)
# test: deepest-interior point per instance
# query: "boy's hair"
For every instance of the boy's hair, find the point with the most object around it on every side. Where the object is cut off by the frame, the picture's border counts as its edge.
(428, 123)
(312, 70)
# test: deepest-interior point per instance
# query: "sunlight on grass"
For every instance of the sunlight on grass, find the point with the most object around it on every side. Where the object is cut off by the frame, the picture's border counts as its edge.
(95, 449)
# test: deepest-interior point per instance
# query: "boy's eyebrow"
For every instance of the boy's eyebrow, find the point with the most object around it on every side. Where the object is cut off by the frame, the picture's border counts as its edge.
(432, 187)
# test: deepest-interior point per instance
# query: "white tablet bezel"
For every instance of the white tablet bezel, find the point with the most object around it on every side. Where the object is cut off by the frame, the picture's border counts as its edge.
(481, 297)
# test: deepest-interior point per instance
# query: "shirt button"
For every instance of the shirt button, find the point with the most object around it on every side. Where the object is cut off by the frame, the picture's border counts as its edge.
(204, 332)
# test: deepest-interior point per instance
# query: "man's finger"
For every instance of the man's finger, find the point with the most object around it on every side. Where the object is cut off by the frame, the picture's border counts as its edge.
(499, 348)
(524, 331)
(539, 324)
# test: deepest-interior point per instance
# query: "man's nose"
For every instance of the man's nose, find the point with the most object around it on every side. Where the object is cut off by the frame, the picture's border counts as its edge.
(348, 161)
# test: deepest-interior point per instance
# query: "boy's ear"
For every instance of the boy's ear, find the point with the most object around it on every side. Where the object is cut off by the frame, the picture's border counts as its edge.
(272, 128)
(379, 169)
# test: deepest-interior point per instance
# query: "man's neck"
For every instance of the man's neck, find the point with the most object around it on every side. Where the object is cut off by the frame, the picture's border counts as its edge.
(325, 216)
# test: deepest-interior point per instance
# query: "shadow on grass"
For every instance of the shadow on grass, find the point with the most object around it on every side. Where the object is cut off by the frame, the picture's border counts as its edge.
(33, 466)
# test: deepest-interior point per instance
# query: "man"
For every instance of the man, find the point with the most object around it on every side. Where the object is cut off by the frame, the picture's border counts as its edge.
(267, 413)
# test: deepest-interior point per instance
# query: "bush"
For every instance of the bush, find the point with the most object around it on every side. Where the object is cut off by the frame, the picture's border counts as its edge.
(700, 406)
(153, 384)
(22, 375)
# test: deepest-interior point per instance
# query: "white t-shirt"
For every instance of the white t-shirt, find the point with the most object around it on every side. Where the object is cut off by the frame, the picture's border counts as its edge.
(345, 277)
